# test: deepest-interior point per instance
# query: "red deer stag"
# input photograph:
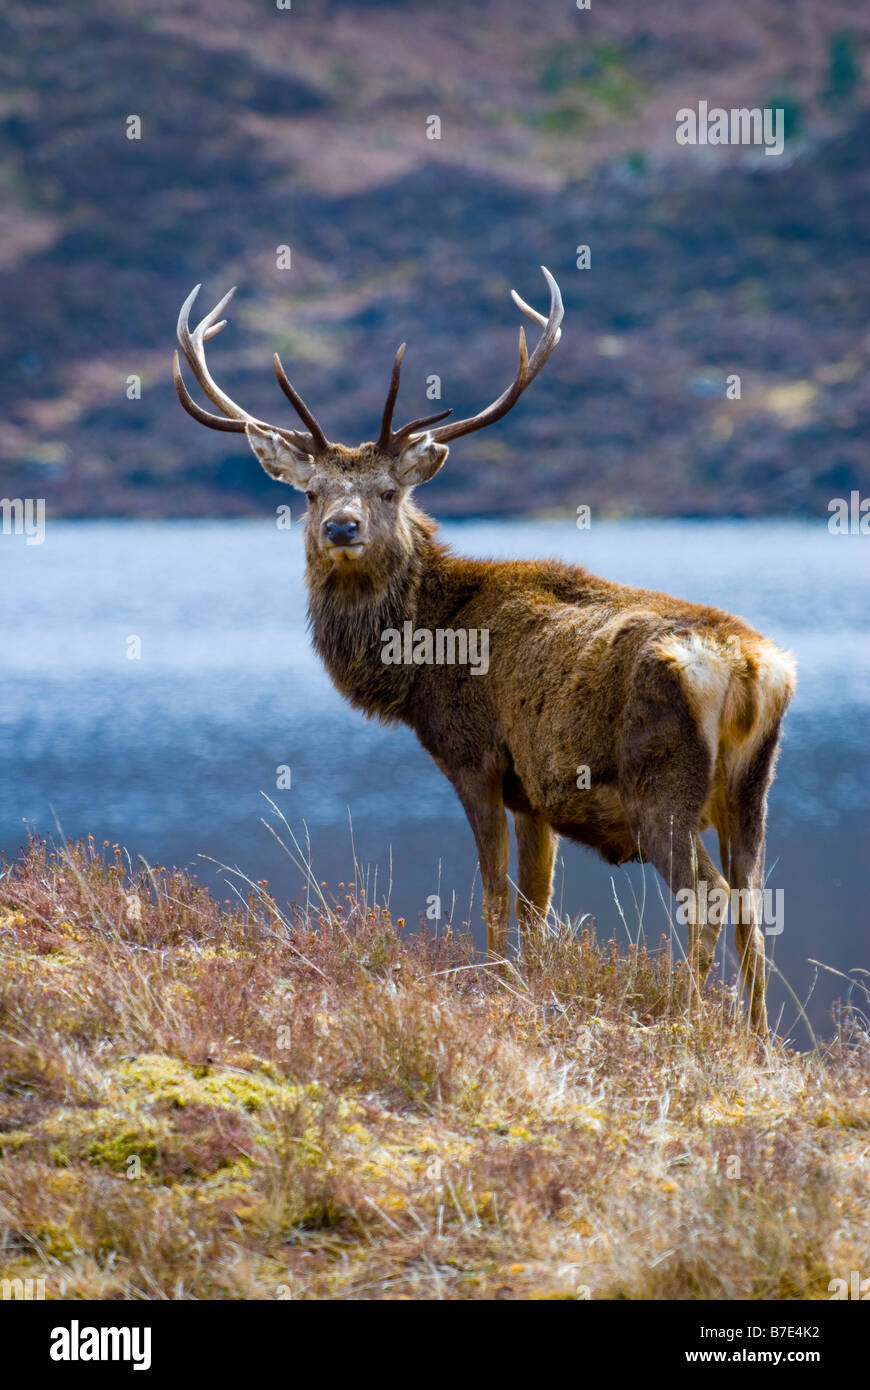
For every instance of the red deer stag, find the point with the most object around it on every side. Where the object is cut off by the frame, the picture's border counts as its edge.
(675, 708)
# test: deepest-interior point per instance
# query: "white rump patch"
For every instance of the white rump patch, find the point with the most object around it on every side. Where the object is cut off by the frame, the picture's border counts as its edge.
(707, 665)
(706, 675)
(777, 678)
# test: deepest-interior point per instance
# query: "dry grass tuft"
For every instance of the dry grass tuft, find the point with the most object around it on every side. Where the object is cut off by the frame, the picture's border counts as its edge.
(205, 1102)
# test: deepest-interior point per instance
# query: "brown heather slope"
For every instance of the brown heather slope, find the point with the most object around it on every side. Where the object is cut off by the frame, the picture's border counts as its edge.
(200, 1101)
(307, 127)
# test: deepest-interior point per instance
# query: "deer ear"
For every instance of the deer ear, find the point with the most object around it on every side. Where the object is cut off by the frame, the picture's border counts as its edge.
(283, 461)
(420, 461)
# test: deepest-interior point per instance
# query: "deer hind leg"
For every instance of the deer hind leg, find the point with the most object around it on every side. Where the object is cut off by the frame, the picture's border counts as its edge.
(666, 780)
(741, 844)
(536, 857)
(750, 942)
(487, 817)
(677, 851)
(706, 912)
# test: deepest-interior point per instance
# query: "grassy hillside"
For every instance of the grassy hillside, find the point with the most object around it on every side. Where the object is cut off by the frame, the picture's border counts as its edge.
(213, 1101)
(307, 127)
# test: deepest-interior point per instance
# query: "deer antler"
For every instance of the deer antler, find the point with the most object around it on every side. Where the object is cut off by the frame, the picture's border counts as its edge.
(393, 442)
(526, 372)
(234, 417)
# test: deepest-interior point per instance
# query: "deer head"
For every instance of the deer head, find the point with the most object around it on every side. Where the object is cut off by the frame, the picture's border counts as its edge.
(359, 509)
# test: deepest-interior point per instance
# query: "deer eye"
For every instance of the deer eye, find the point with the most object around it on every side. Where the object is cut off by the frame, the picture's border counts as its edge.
(388, 495)
(311, 496)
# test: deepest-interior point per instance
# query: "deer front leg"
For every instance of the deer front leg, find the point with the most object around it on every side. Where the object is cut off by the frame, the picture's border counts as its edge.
(484, 808)
(536, 857)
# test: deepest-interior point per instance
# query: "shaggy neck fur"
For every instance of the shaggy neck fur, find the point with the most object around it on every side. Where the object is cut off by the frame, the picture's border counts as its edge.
(351, 606)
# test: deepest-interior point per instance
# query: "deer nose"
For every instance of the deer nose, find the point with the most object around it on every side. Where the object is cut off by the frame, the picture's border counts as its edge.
(341, 532)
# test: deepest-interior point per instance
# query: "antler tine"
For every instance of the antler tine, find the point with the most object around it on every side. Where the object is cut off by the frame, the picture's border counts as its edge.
(402, 436)
(527, 370)
(293, 396)
(393, 441)
(193, 347)
(192, 344)
(551, 323)
(216, 422)
(385, 438)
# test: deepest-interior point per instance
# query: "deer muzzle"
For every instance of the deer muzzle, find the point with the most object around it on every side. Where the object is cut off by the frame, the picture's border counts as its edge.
(342, 533)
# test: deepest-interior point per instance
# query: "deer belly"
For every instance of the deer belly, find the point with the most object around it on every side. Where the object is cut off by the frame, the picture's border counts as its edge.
(590, 815)
(594, 816)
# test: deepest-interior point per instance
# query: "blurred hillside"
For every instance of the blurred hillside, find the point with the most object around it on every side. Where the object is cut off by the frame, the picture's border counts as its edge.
(307, 127)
